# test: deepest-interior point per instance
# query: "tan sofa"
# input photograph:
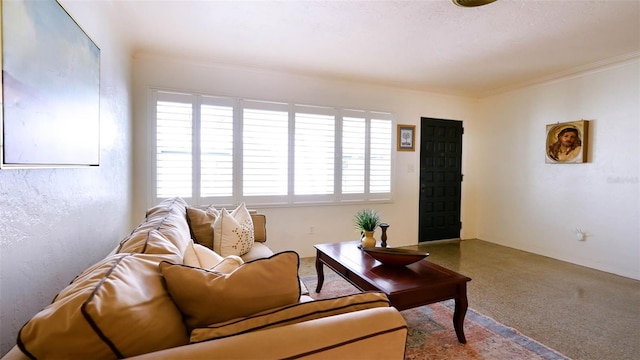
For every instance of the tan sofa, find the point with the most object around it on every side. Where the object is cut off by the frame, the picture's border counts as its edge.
(161, 296)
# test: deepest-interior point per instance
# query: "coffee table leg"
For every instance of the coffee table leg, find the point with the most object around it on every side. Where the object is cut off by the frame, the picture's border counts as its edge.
(460, 312)
(320, 272)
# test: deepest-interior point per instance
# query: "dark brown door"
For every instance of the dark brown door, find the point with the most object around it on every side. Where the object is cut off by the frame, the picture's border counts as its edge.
(440, 179)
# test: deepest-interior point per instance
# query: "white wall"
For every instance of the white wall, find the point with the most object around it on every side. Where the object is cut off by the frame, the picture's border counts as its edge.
(56, 222)
(288, 228)
(527, 204)
(510, 196)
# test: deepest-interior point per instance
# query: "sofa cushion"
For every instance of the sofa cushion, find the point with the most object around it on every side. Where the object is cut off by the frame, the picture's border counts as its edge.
(206, 297)
(149, 242)
(200, 222)
(117, 308)
(169, 219)
(233, 232)
(291, 314)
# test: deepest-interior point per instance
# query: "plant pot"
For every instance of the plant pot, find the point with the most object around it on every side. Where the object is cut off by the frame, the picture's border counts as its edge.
(368, 240)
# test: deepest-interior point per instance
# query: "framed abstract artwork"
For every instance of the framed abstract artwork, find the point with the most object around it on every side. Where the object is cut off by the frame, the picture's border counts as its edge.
(566, 143)
(50, 88)
(406, 137)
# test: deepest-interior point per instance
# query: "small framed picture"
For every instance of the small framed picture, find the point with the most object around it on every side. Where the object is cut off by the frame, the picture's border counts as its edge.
(406, 137)
(566, 143)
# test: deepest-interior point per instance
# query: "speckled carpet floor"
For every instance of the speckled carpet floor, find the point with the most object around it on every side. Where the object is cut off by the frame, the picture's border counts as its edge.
(431, 334)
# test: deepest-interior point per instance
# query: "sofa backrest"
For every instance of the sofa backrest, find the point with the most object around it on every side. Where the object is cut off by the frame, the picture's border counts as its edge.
(259, 226)
(164, 230)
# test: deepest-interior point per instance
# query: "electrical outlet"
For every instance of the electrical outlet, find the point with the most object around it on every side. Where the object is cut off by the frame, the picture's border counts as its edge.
(311, 230)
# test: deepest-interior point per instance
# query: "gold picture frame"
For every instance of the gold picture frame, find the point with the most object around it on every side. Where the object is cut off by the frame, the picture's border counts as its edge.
(567, 143)
(406, 137)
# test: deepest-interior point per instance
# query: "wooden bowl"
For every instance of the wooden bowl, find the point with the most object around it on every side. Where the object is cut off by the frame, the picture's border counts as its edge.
(395, 256)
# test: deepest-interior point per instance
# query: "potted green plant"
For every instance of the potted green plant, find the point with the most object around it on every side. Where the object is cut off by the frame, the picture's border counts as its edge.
(366, 221)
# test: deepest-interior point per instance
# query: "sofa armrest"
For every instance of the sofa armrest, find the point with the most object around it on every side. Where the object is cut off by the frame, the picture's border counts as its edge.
(377, 333)
(15, 354)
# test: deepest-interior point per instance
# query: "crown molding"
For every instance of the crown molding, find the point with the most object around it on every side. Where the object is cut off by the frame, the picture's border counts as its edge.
(574, 72)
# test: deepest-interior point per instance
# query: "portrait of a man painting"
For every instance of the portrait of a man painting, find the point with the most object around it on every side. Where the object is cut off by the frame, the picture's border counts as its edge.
(567, 142)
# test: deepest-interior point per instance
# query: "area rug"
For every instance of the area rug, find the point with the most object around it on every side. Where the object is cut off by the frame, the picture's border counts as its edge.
(431, 334)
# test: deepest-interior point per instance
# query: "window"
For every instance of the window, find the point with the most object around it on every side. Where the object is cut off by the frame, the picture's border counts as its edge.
(224, 151)
(173, 148)
(265, 156)
(216, 149)
(380, 152)
(314, 154)
(353, 154)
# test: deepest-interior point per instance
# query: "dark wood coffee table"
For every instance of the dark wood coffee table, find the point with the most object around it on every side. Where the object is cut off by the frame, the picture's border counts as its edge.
(417, 284)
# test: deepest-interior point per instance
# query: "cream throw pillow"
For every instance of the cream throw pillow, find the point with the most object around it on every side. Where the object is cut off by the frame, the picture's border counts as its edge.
(200, 224)
(233, 232)
(228, 265)
(206, 297)
(291, 314)
(200, 256)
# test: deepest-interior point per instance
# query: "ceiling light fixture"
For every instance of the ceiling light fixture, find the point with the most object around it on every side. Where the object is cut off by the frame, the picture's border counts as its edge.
(472, 3)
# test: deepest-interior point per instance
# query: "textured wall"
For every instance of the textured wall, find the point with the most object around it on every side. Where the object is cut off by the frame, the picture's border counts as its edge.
(56, 222)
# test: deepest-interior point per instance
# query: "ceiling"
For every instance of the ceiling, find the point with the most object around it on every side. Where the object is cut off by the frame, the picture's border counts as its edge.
(430, 45)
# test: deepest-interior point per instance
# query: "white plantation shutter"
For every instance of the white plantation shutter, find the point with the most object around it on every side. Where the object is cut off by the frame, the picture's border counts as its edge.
(216, 148)
(226, 151)
(353, 154)
(173, 146)
(314, 151)
(380, 155)
(265, 149)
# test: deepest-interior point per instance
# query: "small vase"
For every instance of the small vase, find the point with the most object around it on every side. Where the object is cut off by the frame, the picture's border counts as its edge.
(384, 227)
(368, 240)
